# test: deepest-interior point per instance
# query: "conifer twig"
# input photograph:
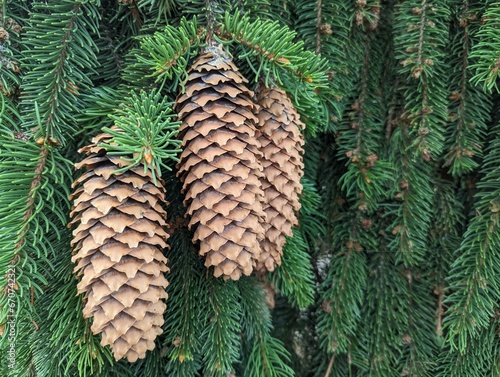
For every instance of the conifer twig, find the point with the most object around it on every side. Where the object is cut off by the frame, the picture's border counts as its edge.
(31, 203)
(440, 312)
(318, 28)
(330, 366)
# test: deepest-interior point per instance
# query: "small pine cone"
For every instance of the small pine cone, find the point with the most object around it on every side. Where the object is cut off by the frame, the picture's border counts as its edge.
(281, 139)
(220, 165)
(118, 244)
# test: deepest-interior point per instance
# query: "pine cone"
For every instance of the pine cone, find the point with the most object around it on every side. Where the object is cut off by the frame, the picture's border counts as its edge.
(281, 139)
(220, 165)
(118, 243)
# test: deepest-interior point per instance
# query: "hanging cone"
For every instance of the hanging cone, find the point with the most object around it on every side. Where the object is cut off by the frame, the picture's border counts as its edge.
(220, 165)
(118, 245)
(279, 133)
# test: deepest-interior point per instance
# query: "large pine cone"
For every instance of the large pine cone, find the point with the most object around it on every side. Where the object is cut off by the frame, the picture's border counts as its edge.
(219, 165)
(281, 139)
(118, 243)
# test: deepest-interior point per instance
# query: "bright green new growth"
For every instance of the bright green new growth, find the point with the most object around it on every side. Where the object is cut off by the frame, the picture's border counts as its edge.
(272, 52)
(166, 54)
(146, 131)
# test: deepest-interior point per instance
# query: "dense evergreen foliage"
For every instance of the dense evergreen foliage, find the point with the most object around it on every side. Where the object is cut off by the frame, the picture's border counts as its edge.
(394, 269)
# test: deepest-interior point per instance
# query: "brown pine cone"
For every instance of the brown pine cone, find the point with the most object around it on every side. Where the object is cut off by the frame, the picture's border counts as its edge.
(281, 139)
(220, 164)
(118, 246)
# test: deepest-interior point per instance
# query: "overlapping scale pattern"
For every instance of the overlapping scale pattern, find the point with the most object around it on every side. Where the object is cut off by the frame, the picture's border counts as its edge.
(281, 140)
(220, 165)
(118, 242)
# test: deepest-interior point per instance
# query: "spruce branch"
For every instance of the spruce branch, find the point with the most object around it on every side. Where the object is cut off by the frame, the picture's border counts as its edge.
(54, 80)
(298, 71)
(312, 219)
(187, 298)
(31, 202)
(413, 195)
(10, 117)
(382, 324)
(474, 275)
(277, 53)
(326, 25)
(133, 11)
(469, 105)
(440, 311)
(20, 227)
(409, 219)
(262, 9)
(162, 9)
(487, 51)
(32, 217)
(267, 355)
(221, 334)
(418, 350)
(256, 317)
(444, 240)
(109, 55)
(342, 295)
(188, 294)
(211, 10)
(246, 32)
(294, 278)
(480, 358)
(479, 289)
(145, 130)
(266, 360)
(164, 55)
(366, 14)
(421, 36)
(364, 185)
(361, 132)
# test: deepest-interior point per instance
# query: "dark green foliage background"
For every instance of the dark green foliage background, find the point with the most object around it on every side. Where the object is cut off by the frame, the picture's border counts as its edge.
(394, 269)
